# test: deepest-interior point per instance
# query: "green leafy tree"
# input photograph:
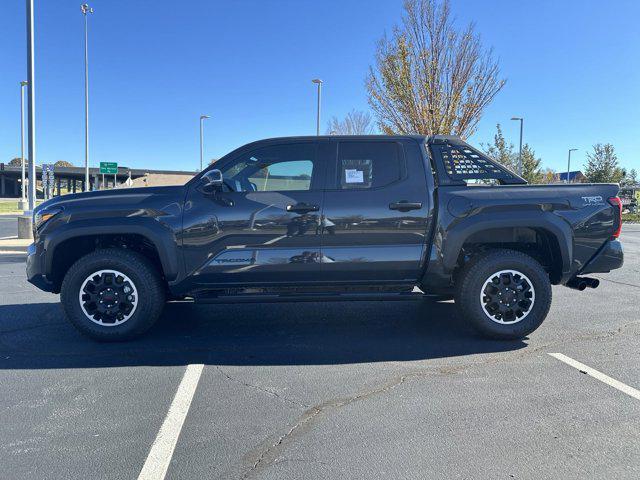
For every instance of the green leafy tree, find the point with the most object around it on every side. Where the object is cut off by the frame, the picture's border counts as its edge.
(630, 178)
(16, 162)
(548, 176)
(431, 77)
(63, 163)
(602, 165)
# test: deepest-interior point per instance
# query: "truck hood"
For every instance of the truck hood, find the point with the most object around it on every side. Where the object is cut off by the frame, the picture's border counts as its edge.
(113, 198)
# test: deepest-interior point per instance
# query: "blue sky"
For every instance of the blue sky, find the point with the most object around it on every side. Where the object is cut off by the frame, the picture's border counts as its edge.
(571, 66)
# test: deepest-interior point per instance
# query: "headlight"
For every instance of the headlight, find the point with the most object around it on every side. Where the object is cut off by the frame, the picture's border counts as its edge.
(43, 216)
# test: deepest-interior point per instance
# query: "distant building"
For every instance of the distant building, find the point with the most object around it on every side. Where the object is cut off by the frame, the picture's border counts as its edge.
(71, 179)
(574, 177)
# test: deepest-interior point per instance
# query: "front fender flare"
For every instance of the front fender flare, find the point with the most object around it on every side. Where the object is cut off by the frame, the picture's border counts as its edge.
(161, 236)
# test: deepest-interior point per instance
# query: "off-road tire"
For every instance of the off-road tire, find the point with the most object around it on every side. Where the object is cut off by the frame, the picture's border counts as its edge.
(470, 283)
(147, 282)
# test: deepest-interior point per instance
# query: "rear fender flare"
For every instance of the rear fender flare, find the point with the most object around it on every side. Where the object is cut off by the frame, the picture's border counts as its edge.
(458, 234)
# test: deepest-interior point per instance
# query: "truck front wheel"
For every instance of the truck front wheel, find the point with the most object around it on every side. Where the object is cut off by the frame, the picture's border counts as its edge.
(112, 295)
(505, 294)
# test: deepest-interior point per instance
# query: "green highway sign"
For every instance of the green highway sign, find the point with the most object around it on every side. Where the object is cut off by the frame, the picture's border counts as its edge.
(110, 168)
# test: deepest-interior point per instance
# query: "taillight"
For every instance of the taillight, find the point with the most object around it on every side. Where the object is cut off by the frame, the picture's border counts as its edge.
(616, 202)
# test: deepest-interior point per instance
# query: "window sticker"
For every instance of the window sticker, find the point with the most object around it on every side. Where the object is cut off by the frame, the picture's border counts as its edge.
(356, 173)
(353, 176)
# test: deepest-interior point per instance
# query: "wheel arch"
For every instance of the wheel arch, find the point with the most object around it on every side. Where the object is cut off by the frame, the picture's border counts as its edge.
(503, 230)
(72, 241)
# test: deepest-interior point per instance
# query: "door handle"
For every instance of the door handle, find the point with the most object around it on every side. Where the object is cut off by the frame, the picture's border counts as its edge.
(405, 206)
(302, 208)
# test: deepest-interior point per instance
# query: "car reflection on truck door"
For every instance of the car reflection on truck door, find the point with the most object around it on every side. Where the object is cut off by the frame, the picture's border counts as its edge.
(267, 219)
(375, 217)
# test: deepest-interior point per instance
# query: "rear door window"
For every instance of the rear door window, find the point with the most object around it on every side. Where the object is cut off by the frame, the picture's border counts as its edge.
(365, 165)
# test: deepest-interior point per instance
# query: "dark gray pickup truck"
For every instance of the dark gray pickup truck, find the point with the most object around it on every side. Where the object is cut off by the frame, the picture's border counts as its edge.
(328, 218)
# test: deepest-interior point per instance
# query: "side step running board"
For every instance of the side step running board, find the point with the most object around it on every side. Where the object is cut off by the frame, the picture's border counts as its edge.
(310, 297)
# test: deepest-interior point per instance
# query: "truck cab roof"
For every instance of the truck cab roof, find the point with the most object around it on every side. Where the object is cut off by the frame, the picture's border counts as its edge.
(420, 138)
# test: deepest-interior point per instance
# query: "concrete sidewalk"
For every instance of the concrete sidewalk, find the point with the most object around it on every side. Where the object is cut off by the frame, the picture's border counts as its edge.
(14, 246)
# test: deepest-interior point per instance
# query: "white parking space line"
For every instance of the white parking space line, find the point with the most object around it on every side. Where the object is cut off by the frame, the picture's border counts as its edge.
(632, 392)
(157, 463)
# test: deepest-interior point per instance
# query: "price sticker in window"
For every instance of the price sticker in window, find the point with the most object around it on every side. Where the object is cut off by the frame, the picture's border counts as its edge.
(353, 176)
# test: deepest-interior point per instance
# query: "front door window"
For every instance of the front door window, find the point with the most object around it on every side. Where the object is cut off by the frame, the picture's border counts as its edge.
(276, 168)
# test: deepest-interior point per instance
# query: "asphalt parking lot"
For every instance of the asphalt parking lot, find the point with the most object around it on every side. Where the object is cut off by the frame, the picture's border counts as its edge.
(322, 390)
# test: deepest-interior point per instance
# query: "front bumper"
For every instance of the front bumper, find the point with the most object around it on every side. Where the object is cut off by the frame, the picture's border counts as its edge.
(35, 267)
(609, 257)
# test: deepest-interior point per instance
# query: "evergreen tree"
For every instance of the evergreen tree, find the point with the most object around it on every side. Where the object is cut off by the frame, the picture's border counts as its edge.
(501, 151)
(531, 170)
(602, 165)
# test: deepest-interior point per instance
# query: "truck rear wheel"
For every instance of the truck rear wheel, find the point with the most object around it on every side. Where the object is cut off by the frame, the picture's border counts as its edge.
(112, 295)
(505, 294)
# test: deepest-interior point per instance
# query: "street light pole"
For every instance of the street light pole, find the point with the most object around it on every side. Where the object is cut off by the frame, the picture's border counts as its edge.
(519, 154)
(318, 82)
(202, 119)
(31, 98)
(569, 163)
(85, 11)
(23, 199)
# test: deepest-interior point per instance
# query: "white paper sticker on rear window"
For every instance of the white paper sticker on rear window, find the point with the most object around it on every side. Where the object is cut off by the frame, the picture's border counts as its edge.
(353, 176)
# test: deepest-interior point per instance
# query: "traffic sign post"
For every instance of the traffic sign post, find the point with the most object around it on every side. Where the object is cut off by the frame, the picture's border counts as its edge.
(109, 168)
(47, 180)
(43, 180)
(50, 185)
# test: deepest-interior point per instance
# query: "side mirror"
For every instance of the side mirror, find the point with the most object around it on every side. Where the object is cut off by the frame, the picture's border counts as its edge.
(211, 181)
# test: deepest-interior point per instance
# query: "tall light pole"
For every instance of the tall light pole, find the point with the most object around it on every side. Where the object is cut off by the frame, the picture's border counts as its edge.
(519, 154)
(569, 163)
(86, 10)
(23, 198)
(31, 98)
(202, 119)
(318, 82)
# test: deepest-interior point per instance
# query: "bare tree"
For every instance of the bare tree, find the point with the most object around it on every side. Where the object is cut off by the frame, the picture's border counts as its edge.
(355, 123)
(431, 78)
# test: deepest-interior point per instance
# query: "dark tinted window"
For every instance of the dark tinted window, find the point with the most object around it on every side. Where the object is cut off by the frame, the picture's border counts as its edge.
(463, 162)
(273, 168)
(368, 164)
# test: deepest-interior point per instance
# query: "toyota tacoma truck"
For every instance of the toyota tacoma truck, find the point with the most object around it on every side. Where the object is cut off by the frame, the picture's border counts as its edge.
(328, 218)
